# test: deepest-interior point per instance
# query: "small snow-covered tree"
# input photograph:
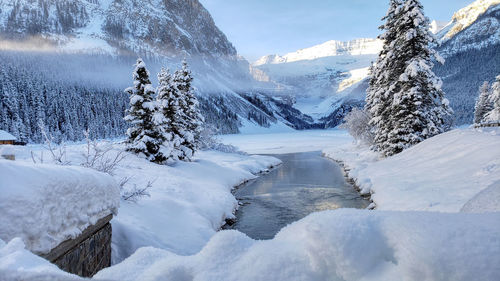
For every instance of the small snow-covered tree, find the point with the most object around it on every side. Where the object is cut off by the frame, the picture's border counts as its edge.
(494, 114)
(144, 136)
(415, 108)
(484, 103)
(357, 124)
(189, 105)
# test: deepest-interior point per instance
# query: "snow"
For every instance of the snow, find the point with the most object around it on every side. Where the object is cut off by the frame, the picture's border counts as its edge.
(47, 204)
(249, 127)
(288, 142)
(440, 174)
(437, 26)
(6, 136)
(17, 262)
(486, 201)
(171, 235)
(356, 76)
(338, 245)
(187, 203)
(363, 46)
(465, 17)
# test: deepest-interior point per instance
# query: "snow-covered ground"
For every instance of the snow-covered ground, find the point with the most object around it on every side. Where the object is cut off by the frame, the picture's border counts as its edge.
(455, 171)
(338, 245)
(288, 142)
(440, 174)
(187, 203)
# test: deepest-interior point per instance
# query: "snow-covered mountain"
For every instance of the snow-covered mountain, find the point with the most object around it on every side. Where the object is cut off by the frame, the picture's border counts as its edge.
(155, 27)
(470, 43)
(476, 26)
(465, 17)
(163, 32)
(320, 76)
(328, 79)
(327, 49)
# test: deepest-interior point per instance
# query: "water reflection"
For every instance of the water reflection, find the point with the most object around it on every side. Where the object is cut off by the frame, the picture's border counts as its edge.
(305, 183)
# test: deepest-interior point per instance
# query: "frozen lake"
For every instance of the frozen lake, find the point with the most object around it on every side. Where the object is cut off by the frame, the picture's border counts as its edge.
(305, 183)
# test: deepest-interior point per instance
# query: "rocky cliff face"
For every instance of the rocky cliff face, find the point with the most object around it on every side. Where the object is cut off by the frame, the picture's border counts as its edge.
(154, 27)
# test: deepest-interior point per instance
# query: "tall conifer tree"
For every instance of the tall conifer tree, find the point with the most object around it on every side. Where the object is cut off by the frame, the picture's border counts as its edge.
(383, 73)
(193, 120)
(414, 105)
(143, 135)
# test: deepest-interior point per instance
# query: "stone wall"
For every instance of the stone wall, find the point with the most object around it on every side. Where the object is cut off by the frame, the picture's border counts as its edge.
(86, 254)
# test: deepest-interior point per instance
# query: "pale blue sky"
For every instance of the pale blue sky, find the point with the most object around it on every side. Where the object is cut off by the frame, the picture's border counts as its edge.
(262, 27)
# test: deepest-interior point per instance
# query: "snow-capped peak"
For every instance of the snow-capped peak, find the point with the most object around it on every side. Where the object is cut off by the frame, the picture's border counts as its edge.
(465, 17)
(328, 49)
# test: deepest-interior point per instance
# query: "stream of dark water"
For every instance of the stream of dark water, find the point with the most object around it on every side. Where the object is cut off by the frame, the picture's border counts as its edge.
(303, 184)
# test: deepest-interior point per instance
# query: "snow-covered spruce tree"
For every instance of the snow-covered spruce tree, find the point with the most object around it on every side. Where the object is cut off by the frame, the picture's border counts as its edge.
(483, 103)
(494, 114)
(143, 135)
(418, 109)
(169, 117)
(382, 84)
(190, 107)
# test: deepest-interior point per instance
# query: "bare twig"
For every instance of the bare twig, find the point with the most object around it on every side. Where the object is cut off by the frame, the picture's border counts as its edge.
(136, 193)
(58, 154)
(97, 156)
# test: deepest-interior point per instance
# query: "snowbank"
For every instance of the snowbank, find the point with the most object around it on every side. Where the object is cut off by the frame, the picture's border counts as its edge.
(17, 263)
(338, 245)
(47, 204)
(440, 174)
(188, 202)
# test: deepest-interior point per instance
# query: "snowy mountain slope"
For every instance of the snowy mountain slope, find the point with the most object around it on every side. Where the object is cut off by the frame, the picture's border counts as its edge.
(472, 56)
(476, 26)
(437, 26)
(328, 79)
(155, 27)
(465, 17)
(327, 49)
(321, 75)
(163, 32)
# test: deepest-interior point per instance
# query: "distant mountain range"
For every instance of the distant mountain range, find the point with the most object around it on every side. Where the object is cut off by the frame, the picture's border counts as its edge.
(327, 79)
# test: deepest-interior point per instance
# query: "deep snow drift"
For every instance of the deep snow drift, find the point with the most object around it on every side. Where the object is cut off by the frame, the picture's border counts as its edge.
(338, 245)
(47, 204)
